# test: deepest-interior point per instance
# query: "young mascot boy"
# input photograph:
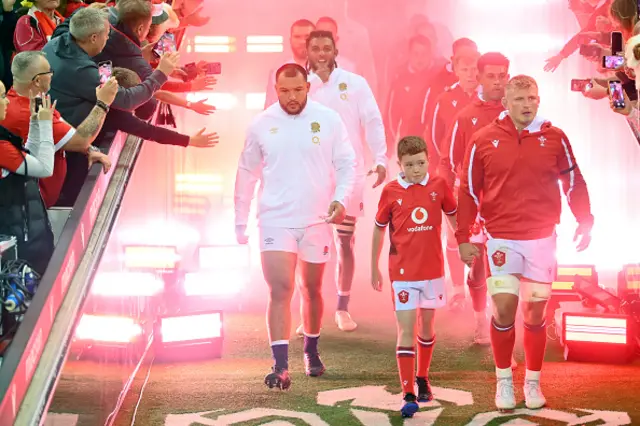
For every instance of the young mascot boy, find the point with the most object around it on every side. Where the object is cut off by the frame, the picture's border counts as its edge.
(411, 205)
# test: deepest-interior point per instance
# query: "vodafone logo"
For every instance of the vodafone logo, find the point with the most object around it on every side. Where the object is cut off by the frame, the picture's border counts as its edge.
(419, 215)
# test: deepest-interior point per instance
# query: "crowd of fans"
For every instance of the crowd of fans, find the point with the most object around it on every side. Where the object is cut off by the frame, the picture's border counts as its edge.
(601, 23)
(73, 74)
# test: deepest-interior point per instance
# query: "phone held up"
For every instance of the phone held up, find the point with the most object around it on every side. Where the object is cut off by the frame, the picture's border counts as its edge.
(581, 85)
(105, 69)
(616, 94)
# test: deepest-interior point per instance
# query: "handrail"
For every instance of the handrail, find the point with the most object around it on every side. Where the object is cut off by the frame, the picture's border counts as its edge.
(25, 353)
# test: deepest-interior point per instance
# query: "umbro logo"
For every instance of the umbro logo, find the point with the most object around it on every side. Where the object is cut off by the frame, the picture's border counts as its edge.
(474, 120)
(495, 142)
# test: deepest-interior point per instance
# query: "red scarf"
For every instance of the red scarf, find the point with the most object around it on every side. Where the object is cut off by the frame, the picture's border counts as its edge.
(47, 25)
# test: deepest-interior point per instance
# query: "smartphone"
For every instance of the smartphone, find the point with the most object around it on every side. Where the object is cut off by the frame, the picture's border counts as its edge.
(617, 43)
(616, 94)
(612, 62)
(581, 85)
(105, 69)
(192, 71)
(166, 44)
(590, 50)
(38, 104)
(213, 68)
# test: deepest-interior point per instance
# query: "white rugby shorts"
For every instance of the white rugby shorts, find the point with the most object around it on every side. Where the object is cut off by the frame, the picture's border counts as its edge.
(411, 295)
(312, 244)
(533, 259)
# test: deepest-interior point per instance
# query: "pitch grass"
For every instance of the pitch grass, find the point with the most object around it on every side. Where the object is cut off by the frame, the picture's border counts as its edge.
(365, 357)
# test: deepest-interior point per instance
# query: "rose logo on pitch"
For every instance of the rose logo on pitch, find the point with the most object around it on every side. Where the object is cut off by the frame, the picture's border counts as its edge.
(403, 296)
(499, 258)
(419, 215)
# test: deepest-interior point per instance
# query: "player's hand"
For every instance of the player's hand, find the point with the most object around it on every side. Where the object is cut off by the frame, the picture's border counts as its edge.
(202, 140)
(98, 157)
(336, 213)
(376, 279)
(168, 63)
(107, 92)
(468, 253)
(241, 234)
(582, 236)
(382, 175)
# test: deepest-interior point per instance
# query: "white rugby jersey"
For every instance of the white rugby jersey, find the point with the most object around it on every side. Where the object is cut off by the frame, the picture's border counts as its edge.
(350, 95)
(304, 161)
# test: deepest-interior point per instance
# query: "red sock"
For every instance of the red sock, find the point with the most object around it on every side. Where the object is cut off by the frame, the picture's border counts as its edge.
(425, 351)
(535, 342)
(502, 340)
(406, 367)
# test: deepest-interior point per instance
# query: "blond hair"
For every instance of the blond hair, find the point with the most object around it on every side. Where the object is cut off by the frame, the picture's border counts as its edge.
(521, 82)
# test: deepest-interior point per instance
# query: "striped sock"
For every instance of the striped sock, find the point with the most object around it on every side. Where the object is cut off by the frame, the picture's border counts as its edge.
(425, 352)
(406, 357)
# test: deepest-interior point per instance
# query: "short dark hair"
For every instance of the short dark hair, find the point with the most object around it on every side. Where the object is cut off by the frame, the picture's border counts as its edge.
(420, 39)
(321, 34)
(126, 77)
(302, 23)
(411, 145)
(463, 42)
(291, 70)
(492, 58)
(327, 19)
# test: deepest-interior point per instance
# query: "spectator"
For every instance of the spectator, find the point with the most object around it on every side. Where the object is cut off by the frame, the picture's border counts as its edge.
(32, 74)
(7, 29)
(34, 29)
(70, 54)
(22, 212)
(129, 123)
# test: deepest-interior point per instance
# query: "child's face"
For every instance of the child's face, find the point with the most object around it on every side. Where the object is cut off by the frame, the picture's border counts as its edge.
(414, 167)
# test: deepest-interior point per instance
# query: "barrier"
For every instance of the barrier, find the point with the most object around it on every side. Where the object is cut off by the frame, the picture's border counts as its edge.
(25, 353)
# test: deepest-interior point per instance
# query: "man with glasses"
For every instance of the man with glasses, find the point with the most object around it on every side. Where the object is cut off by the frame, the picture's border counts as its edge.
(32, 77)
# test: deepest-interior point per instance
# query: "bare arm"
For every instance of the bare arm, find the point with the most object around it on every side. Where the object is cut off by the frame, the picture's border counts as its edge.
(87, 131)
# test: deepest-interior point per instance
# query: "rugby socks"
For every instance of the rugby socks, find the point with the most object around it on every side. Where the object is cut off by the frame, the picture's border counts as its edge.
(406, 357)
(343, 301)
(280, 353)
(311, 344)
(503, 339)
(535, 341)
(425, 352)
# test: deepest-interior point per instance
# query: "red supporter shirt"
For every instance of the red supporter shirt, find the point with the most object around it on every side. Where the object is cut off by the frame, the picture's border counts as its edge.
(513, 178)
(413, 213)
(17, 122)
(469, 120)
(10, 158)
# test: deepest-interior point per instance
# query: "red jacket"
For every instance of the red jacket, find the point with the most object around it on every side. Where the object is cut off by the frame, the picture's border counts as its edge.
(513, 178)
(441, 117)
(469, 120)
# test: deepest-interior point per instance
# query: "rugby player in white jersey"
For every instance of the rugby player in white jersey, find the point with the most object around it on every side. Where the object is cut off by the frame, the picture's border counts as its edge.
(300, 150)
(350, 95)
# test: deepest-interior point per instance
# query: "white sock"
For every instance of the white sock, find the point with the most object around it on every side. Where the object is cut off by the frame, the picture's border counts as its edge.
(504, 373)
(532, 375)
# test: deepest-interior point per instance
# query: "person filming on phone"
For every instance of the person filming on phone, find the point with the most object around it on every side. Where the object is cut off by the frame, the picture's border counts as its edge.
(20, 167)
